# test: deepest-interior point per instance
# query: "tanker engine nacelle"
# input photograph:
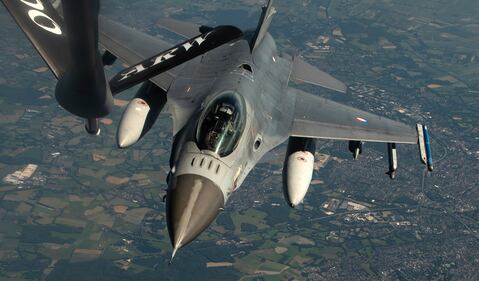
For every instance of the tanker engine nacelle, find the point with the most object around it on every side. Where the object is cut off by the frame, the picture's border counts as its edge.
(140, 114)
(298, 169)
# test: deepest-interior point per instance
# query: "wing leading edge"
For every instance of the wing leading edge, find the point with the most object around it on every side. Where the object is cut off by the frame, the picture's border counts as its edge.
(316, 117)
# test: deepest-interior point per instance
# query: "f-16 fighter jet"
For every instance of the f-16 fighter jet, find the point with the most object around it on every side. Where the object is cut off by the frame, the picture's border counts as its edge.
(227, 91)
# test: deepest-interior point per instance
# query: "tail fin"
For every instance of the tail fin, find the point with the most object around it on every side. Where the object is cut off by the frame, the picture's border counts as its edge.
(45, 29)
(263, 25)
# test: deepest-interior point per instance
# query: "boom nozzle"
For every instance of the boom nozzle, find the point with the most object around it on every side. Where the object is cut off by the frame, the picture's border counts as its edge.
(92, 126)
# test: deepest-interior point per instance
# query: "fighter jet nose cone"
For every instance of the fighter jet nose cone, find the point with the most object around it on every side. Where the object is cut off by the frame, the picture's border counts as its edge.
(173, 255)
(193, 202)
(292, 205)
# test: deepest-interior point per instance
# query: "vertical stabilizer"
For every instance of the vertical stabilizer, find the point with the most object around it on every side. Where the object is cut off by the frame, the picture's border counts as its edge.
(263, 25)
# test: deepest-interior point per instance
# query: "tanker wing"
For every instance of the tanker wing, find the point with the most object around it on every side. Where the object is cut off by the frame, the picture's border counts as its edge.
(46, 31)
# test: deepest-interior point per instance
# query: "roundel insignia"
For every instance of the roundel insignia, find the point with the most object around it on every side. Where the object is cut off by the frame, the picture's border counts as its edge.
(362, 120)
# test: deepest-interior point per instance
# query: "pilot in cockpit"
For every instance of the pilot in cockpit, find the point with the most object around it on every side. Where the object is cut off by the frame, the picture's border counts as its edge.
(221, 125)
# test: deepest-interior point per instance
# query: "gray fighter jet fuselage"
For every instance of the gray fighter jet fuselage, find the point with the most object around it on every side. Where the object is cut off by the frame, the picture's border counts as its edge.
(242, 111)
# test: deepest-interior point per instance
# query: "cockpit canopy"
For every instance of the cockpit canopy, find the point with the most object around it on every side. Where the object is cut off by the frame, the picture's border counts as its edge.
(222, 124)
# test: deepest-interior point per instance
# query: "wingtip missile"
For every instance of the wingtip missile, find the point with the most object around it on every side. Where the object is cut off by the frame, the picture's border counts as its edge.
(424, 144)
(427, 145)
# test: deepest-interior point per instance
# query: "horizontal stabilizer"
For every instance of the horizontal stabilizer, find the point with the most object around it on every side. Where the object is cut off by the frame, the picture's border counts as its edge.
(306, 73)
(45, 29)
(173, 57)
(185, 29)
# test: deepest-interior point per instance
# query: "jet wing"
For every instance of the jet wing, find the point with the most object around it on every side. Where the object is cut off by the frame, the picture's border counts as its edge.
(132, 46)
(316, 117)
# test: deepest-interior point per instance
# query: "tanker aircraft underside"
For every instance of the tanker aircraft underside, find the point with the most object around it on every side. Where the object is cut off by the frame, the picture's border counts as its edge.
(227, 91)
